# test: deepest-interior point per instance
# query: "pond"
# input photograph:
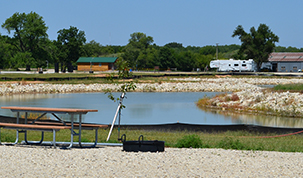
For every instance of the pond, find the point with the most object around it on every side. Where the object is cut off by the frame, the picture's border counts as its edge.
(144, 108)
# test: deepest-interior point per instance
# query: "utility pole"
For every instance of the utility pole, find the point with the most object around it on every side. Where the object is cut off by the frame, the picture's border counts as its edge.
(217, 51)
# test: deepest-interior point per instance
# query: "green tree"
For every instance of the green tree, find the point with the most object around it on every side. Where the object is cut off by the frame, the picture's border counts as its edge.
(70, 42)
(206, 50)
(137, 46)
(140, 40)
(29, 33)
(7, 52)
(107, 50)
(257, 44)
(23, 59)
(167, 58)
(202, 61)
(187, 61)
(50, 52)
(92, 49)
(152, 58)
(288, 49)
(178, 47)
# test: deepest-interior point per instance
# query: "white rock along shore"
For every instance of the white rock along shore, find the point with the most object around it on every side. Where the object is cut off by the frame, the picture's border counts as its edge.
(182, 85)
(26, 161)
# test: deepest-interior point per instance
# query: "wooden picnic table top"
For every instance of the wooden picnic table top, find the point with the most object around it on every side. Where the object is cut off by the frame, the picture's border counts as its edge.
(43, 109)
(35, 126)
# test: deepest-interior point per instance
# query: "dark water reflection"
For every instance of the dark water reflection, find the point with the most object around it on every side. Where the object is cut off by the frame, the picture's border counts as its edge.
(144, 108)
(263, 120)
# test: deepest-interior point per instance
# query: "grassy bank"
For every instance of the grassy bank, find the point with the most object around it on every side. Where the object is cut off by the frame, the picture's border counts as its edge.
(82, 78)
(289, 87)
(227, 140)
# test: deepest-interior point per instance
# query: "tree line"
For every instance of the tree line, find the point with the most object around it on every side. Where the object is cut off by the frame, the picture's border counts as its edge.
(27, 46)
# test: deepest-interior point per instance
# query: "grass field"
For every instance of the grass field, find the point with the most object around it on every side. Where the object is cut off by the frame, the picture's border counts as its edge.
(240, 140)
(289, 87)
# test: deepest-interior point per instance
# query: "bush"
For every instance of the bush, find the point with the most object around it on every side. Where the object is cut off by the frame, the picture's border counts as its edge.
(229, 143)
(189, 141)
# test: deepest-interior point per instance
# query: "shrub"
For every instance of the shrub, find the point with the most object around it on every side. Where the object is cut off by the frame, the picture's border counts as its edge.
(229, 143)
(189, 141)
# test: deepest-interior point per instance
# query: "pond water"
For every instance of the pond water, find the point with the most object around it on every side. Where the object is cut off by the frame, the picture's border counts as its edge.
(144, 108)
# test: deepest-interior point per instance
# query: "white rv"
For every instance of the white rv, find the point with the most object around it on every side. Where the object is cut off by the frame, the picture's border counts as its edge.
(234, 65)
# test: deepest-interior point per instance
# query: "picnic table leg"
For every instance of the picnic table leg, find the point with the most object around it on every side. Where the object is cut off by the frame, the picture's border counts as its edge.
(72, 132)
(80, 121)
(25, 134)
(0, 136)
(96, 136)
(80, 130)
(54, 138)
(17, 131)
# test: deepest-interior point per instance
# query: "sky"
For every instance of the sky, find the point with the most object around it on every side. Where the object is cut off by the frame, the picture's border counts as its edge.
(190, 22)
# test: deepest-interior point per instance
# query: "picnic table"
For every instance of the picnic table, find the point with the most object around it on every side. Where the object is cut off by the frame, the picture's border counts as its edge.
(38, 124)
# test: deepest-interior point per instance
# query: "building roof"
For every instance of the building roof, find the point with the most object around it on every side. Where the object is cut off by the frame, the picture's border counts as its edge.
(286, 57)
(97, 59)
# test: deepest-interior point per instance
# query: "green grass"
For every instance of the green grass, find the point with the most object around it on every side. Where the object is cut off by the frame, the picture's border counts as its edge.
(239, 140)
(289, 87)
(45, 76)
(85, 78)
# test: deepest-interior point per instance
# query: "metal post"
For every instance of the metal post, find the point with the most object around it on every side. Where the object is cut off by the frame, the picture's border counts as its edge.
(113, 123)
(54, 138)
(115, 117)
(80, 125)
(17, 134)
(25, 121)
(217, 51)
(119, 124)
(72, 132)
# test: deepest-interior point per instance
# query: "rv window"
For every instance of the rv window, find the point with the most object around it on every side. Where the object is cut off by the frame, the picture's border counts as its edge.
(243, 65)
(236, 64)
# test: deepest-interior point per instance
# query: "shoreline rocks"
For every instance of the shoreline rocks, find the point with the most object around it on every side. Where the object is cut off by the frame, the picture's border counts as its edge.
(176, 85)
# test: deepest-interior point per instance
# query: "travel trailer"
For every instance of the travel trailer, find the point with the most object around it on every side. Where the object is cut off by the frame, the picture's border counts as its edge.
(234, 65)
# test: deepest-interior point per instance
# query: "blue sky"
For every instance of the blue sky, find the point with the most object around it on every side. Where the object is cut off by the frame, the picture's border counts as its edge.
(190, 22)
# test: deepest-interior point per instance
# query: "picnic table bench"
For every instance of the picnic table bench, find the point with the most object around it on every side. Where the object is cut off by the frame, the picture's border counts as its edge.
(51, 126)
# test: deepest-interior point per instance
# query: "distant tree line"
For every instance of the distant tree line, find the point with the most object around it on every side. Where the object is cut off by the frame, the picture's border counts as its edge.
(27, 46)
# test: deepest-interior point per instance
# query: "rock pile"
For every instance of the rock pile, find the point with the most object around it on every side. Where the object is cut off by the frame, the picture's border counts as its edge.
(183, 85)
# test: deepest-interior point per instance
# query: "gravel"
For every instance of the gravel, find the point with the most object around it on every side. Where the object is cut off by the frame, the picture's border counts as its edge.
(28, 161)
